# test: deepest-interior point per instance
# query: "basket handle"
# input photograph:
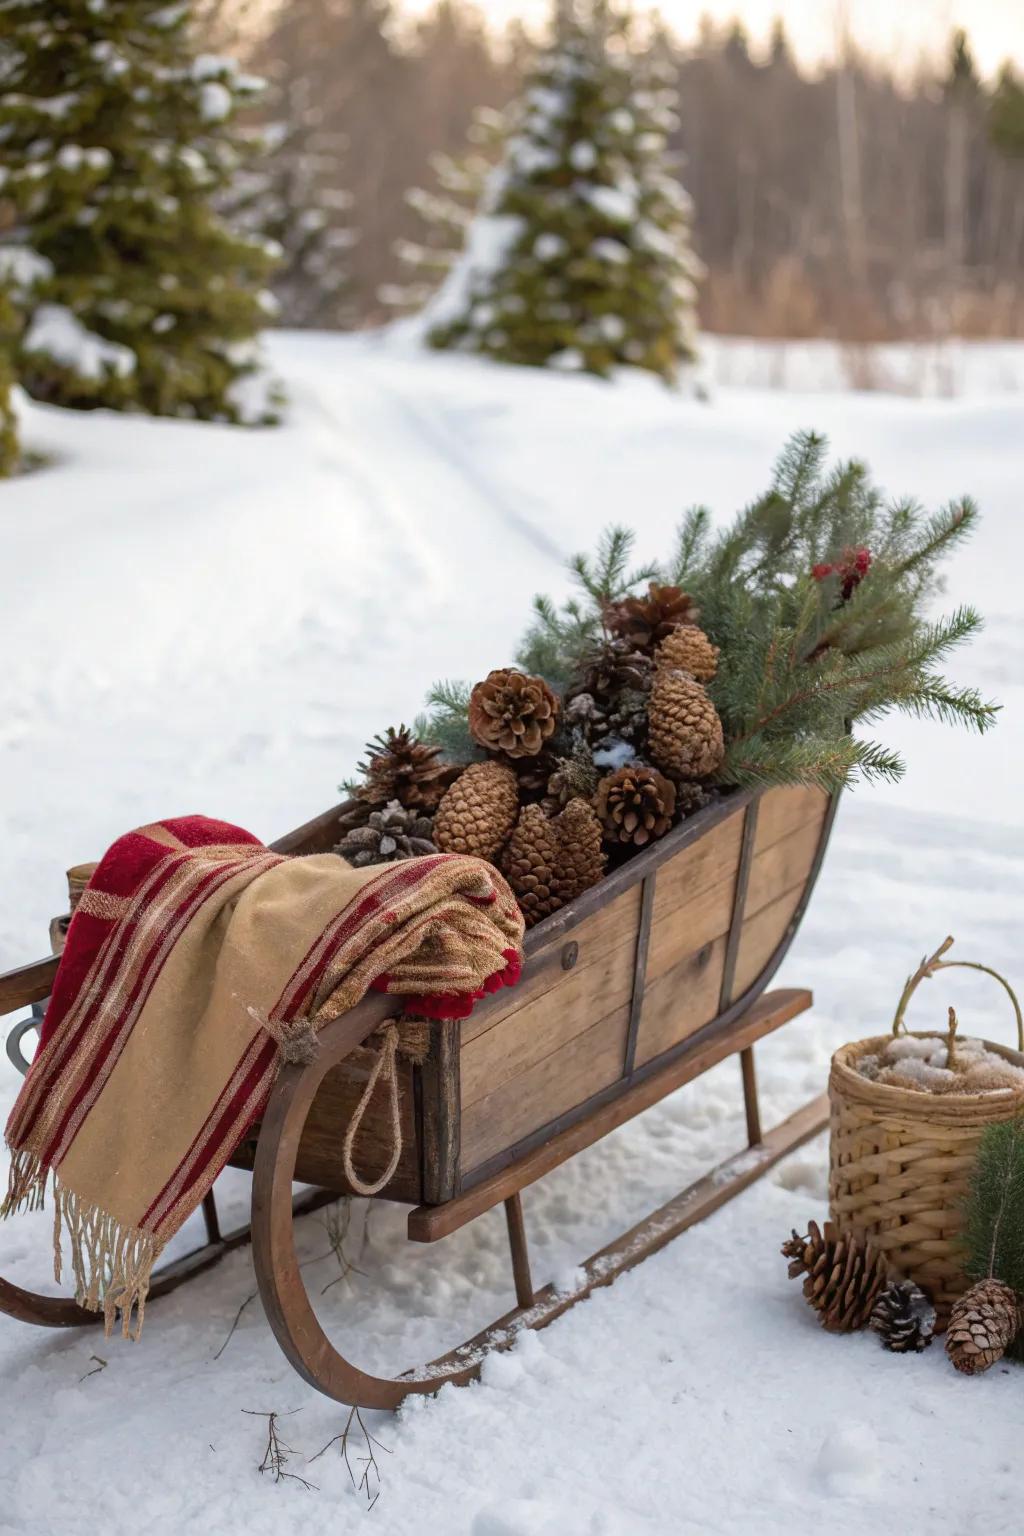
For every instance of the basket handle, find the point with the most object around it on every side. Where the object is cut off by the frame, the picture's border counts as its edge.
(933, 963)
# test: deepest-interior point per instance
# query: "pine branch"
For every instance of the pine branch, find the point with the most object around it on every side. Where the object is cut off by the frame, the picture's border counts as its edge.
(994, 1217)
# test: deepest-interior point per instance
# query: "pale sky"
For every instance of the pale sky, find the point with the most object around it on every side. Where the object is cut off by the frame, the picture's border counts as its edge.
(901, 30)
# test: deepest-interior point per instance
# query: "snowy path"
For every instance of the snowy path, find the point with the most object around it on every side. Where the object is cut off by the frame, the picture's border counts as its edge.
(212, 620)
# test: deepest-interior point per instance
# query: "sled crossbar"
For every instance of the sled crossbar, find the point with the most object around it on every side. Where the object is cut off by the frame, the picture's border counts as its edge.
(428, 1223)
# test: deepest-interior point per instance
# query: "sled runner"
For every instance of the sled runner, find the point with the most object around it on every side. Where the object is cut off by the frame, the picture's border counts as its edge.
(646, 981)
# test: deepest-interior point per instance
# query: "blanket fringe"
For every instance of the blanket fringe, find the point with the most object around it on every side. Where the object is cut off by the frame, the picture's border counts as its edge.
(111, 1263)
(26, 1184)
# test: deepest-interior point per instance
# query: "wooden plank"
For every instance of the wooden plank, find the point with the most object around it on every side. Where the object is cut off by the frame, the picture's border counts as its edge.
(762, 935)
(29, 984)
(617, 924)
(543, 1031)
(682, 1000)
(786, 810)
(643, 943)
(582, 1067)
(739, 905)
(440, 1101)
(782, 866)
(770, 1012)
(699, 869)
(678, 933)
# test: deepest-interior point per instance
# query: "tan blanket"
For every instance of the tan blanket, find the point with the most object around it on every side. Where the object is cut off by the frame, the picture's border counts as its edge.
(195, 960)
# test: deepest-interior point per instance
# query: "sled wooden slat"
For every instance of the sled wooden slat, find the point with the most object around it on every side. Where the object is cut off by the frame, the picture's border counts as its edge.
(428, 1223)
(27, 985)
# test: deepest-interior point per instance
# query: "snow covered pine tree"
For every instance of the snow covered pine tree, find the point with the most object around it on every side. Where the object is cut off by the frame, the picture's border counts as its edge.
(581, 257)
(116, 140)
(447, 213)
(292, 193)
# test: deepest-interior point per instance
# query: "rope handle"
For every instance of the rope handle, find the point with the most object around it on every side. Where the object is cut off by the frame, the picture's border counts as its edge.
(384, 1067)
(934, 963)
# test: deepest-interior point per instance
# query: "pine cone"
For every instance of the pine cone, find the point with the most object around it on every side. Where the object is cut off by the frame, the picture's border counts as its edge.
(478, 813)
(645, 621)
(684, 731)
(612, 665)
(400, 767)
(574, 778)
(532, 772)
(389, 834)
(843, 1275)
(903, 1317)
(689, 649)
(982, 1326)
(635, 805)
(604, 723)
(690, 798)
(513, 713)
(548, 863)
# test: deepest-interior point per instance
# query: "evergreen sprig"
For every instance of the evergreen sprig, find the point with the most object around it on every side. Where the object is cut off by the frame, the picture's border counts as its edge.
(993, 1230)
(445, 722)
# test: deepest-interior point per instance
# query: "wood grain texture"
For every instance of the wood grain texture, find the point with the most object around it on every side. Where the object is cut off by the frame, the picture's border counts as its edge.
(440, 1099)
(770, 1012)
(561, 1079)
(615, 925)
(785, 864)
(762, 934)
(548, 1024)
(786, 810)
(320, 1148)
(682, 1000)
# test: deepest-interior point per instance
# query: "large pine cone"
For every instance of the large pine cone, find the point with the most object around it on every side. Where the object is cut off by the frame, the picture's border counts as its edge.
(645, 621)
(843, 1275)
(389, 834)
(548, 863)
(982, 1326)
(689, 649)
(401, 767)
(478, 813)
(684, 731)
(635, 805)
(512, 712)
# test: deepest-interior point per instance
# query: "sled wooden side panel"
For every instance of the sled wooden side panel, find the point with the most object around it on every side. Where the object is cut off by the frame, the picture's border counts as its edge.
(786, 845)
(320, 1151)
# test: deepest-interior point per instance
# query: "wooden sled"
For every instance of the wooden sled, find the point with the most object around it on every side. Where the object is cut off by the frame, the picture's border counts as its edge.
(645, 982)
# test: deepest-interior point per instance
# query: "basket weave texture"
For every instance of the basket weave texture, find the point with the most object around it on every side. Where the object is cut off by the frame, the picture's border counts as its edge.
(900, 1163)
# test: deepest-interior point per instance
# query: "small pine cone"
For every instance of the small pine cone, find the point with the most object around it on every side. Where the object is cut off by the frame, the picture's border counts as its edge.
(645, 621)
(574, 778)
(478, 813)
(532, 772)
(401, 767)
(548, 863)
(903, 1317)
(690, 798)
(685, 732)
(843, 1275)
(635, 805)
(982, 1326)
(512, 712)
(689, 649)
(389, 834)
(612, 665)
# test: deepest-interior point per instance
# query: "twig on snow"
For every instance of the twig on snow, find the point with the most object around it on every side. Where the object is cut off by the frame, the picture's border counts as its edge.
(277, 1454)
(234, 1325)
(370, 1479)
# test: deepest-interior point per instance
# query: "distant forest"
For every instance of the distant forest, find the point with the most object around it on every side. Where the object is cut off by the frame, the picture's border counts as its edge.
(836, 202)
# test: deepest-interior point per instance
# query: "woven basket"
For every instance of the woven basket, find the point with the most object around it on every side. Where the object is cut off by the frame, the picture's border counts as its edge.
(900, 1160)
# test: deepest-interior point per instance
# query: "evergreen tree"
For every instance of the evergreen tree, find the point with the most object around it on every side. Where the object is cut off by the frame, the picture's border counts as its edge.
(1006, 113)
(117, 142)
(581, 257)
(446, 212)
(9, 450)
(293, 194)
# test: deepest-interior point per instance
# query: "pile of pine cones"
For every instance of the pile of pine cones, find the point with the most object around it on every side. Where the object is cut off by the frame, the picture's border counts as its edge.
(568, 782)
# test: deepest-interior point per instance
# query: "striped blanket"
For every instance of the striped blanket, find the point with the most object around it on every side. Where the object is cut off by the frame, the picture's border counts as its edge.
(195, 962)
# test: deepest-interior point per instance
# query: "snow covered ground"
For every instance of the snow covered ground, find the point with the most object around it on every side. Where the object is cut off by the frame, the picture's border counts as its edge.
(207, 619)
